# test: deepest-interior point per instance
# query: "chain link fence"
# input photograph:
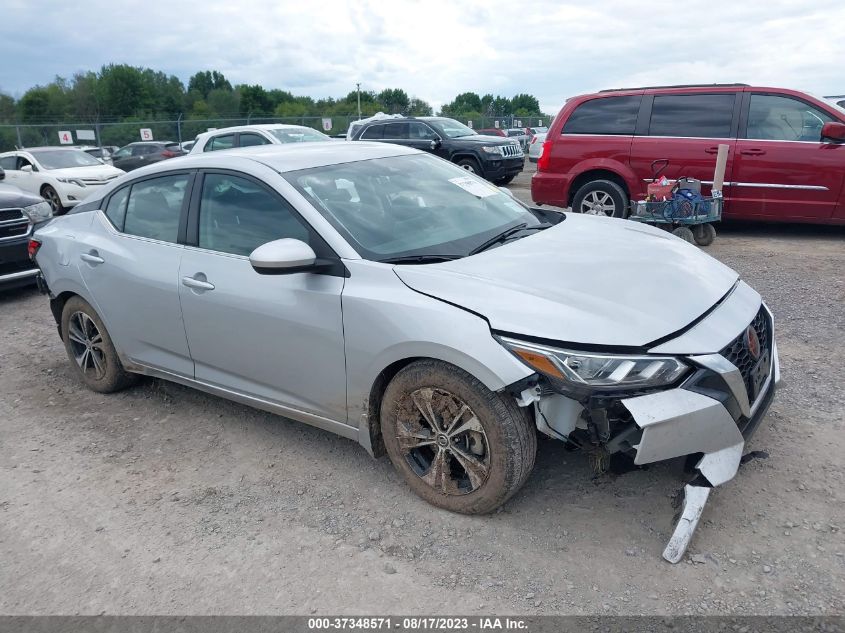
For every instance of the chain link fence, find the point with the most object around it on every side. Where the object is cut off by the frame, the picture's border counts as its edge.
(179, 130)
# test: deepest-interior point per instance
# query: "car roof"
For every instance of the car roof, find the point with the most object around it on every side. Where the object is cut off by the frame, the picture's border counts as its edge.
(285, 157)
(258, 126)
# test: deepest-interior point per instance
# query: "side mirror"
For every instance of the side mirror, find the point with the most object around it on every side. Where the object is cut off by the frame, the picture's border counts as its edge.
(435, 143)
(834, 131)
(282, 257)
(27, 169)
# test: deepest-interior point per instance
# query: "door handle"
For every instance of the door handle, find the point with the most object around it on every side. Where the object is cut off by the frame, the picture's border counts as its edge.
(753, 152)
(92, 258)
(197, 284)
(711, 150)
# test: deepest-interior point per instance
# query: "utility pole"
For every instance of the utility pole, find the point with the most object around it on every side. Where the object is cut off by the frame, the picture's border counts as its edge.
(358, 86)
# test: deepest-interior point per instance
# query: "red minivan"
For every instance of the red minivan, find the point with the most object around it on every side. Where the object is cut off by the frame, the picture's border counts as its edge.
(786, 160)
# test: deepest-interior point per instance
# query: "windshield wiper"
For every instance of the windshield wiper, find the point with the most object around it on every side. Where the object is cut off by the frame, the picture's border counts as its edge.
(419, 259)
(504, 235)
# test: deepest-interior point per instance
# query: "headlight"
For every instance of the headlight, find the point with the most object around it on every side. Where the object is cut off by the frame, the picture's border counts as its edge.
(600, 372)
(38, 212)
(491, 149)
(71, 181)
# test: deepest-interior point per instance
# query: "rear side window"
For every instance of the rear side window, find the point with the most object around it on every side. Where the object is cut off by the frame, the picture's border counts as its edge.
(250, 140)
(154, 207)
(374, 132)
(695, 115)
(9, 162)
(608, 115)
(396, 131)
(116, 208)
(225, 141)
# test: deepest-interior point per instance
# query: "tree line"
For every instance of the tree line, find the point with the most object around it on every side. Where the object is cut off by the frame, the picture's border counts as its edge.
(119, 92)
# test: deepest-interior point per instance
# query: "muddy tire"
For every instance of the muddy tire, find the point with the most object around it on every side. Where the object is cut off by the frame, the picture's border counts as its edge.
(458, 445)
(90, 350)
(684, 233)
(704, 234)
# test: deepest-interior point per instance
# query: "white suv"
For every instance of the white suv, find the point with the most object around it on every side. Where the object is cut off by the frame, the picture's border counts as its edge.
(252, 135)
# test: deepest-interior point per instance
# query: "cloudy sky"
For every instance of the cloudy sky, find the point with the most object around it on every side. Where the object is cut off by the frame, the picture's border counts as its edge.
(434, 49)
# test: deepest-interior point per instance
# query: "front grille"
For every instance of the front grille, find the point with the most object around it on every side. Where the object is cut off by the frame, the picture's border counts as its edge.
(737, 351)
(511, 151)
(11, 214)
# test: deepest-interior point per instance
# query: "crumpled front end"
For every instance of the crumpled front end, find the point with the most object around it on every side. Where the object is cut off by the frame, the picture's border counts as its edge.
(708, 415)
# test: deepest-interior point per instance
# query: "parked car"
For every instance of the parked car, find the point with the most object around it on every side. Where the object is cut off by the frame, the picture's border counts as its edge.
(786, 160)
(61, 175)
(103, 154)
(533, 131)
(520, 135)
(386, 295)
(837, 99)
(19, 211)
(252, 135)
(187, 146)
(492, 131)
(142, 153)
(496, 159)
(535, 147)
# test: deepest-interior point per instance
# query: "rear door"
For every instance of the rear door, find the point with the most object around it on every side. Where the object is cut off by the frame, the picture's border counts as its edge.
(686, 129)
(130, 264)
(783, 170)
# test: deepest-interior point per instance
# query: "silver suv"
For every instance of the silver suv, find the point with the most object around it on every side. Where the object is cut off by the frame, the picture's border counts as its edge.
(391, 297)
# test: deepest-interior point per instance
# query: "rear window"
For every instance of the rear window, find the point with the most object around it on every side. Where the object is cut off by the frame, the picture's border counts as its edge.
(695, 115)
(608, 115)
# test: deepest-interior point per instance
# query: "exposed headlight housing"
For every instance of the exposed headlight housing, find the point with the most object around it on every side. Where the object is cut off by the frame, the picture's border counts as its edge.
(38, 212)
(492, 149)
(588, 371)
(72, 181)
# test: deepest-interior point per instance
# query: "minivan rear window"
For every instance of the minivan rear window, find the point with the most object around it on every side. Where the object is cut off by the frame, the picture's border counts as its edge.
(692, 115)
(608, 115)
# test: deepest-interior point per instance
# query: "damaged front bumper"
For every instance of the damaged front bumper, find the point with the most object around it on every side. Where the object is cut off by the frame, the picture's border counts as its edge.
(711, 415)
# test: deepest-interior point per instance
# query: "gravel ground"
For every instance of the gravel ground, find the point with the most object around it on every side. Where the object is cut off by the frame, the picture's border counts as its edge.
(164, 500)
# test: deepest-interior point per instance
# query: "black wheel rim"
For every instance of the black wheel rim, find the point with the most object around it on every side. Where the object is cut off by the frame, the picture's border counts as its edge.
(443, 441)
(53, 198)
(86, 344)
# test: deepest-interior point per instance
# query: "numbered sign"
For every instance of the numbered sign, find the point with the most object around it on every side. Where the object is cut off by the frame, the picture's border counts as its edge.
(519, 123)
(65, 138)
(469, 123)
(85, 135)
(327, 124)
(539, 122)
(496, 124)
(146, 134)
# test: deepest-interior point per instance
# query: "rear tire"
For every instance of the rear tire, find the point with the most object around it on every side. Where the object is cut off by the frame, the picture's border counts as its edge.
(471, 165)
(470, 452)
(684, 233)
(90, 349)
(601, 197)
(704, 234)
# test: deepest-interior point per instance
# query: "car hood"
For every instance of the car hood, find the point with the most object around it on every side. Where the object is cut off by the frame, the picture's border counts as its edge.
(98, 172)
(11, 197)
(587, 280)
(481, 139)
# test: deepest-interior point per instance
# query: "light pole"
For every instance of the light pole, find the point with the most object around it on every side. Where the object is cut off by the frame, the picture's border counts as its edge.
(358, 86)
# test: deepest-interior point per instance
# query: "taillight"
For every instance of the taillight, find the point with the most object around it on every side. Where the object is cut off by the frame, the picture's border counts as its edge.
(168, 154)
(32, 247)
(545, 156)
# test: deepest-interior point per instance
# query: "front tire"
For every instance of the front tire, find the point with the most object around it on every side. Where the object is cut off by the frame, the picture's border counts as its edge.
(90, 349)
(471, 165)
(457, 444)
(51, 196)
(601, 197)
(505, 181)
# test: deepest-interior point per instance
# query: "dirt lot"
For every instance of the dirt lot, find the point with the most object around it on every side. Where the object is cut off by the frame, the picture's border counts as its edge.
(164, 500)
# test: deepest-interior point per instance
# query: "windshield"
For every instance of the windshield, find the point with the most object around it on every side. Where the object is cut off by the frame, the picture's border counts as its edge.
(298, 135)
(451, 128)
(405, 206)
(64, 158)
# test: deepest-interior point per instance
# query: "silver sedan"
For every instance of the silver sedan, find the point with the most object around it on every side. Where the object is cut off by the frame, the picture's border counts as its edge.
(386, 295)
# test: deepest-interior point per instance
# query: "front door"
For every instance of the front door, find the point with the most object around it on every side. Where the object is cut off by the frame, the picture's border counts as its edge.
(684, 132)
(278, 338)
(130, 264)
(783, 169)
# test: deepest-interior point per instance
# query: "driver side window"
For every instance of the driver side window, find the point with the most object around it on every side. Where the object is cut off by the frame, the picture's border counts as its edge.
(237, 215)
(775, 118)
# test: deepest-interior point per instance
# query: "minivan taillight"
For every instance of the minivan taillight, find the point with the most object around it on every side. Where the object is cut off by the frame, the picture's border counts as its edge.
(32, 247)
(545, 156)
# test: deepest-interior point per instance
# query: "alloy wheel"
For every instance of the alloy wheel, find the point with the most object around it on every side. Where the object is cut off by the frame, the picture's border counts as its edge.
(468, 167)
(86, 342)
(598, 203)
(443, 441)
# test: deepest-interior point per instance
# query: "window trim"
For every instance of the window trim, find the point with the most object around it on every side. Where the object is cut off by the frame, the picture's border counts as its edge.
(193, 217)
(183, 212)
(211, 139)
(370, 127)
(644, 122)
(253, 133)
